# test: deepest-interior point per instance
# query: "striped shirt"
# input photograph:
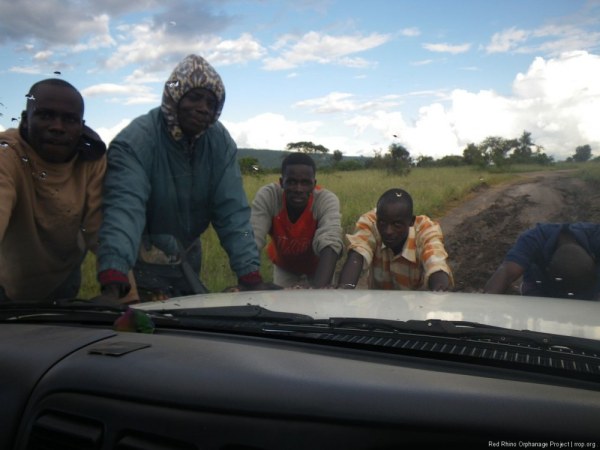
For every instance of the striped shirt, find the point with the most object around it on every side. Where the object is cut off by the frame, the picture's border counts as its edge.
(423, 254)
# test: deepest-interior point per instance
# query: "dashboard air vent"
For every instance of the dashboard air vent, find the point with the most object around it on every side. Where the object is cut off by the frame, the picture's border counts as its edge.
(59, 431)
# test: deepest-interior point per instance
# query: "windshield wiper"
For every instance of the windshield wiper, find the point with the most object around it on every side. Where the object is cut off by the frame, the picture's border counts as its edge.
(250, 313)
(72, 311)
(440, 328)
(245, 317)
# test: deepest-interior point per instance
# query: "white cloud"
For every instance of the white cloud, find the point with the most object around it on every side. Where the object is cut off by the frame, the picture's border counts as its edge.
(141, 76)
(107, 134)
(51, 22)
(238, 51)
(334, 102)
(447, 48)
(506, 40)
(410, 32)
(43, 55)
(257, 132)
(322, 49)
(143, 43)
(476, 116)
(557, 100)
(550, 40)
(386, 123)
(104, 89)
(355, 63)
(271, 131)
(343, 102)
(126, 94)
(100, 39)
(30, 70)
(141, 99)
(561, 79)
(423, 62)
(154, 48)
(564, 94)
(432, 134)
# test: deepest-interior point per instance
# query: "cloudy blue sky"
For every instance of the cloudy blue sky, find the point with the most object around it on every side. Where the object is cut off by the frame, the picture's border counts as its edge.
(349, 75)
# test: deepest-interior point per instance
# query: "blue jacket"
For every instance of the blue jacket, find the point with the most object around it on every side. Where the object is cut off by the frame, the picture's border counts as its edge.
(534, 249)
(158, 186)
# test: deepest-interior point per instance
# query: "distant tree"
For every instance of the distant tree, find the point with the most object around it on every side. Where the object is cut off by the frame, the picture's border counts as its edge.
(349, 165)
(473, 155)
(582, 153)
(306, 147)
(528, 152)
(377, 161)
(249, 165)
(399, 159)
(497, 149)
(500, 152)
(539, 157)
(425, 161)
(522, 153)
(450, 161)
(337, 157)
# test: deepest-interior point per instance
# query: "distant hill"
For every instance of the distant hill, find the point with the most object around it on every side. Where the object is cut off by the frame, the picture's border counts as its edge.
(267, 159)
(271, 159)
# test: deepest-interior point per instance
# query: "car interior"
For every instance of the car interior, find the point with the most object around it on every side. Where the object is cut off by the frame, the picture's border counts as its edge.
(86, 386)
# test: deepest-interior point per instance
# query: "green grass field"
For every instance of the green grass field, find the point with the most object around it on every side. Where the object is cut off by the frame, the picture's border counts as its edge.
(434, 190)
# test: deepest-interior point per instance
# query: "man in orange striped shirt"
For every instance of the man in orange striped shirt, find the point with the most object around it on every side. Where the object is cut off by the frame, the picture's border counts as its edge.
(400, 250)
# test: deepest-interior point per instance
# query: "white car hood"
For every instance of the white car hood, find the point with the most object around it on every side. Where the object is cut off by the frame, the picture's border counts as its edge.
(558, 316)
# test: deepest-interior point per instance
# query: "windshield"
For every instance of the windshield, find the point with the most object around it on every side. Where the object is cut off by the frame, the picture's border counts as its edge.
(387, 160)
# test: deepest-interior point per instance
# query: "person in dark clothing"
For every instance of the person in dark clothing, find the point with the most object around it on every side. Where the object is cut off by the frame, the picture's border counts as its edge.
(555, 260)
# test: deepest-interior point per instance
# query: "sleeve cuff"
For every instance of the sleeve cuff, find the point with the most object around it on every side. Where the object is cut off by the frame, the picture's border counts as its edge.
(250, 279)
(115, 277)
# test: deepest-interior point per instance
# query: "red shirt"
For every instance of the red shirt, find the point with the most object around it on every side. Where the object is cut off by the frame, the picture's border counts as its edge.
(291, 243)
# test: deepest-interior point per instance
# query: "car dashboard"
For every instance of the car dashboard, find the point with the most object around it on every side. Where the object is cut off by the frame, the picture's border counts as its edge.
(66, 386)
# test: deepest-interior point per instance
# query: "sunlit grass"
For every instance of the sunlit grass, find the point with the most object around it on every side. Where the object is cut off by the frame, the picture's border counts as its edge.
(433, 190)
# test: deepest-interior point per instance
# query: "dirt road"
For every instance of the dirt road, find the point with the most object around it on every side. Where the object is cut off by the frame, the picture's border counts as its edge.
(479, 232)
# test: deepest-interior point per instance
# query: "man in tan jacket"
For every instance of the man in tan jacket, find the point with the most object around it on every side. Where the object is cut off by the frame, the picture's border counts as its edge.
(51, 171)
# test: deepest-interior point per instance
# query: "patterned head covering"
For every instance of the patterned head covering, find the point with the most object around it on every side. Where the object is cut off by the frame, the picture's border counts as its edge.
(193, 72)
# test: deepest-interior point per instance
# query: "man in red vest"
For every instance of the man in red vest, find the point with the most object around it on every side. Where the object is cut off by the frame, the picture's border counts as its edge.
(303, 221)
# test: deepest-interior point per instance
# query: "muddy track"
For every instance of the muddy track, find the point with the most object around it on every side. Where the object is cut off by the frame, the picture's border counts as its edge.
(479, 232)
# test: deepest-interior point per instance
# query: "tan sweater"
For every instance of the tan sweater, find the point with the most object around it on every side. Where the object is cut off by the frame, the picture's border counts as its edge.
(49, 217)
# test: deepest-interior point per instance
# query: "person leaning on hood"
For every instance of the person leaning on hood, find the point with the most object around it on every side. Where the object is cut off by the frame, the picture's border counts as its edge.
(401, 251)
(171, 173)
(303, 222)
(559, 260)
(51, 174)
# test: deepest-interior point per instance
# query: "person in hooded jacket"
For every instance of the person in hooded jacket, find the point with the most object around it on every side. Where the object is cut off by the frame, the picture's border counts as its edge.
(171, 173)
